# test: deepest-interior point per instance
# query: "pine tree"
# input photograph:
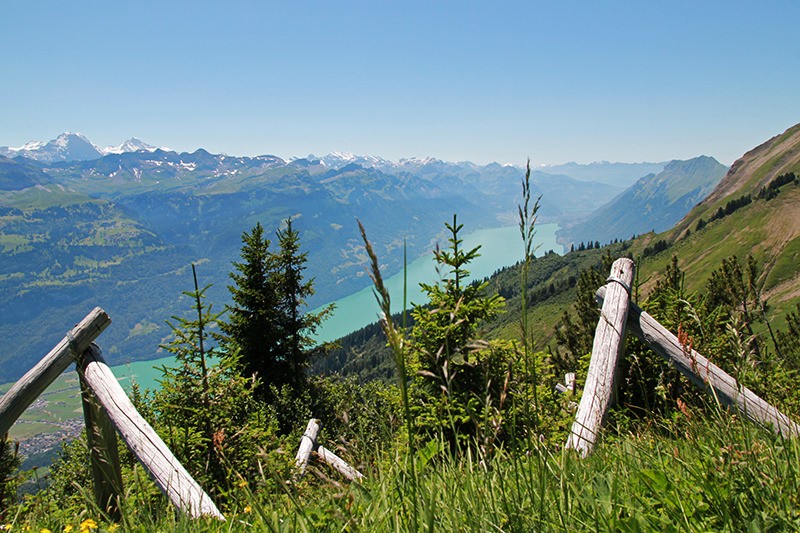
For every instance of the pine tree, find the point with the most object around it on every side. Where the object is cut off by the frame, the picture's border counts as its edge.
(206, 409)
(184, 400)
(266, 324)
(291, 290)
(252, 327)
(445, 328)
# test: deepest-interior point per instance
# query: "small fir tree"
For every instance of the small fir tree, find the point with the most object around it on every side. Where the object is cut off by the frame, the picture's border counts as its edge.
(205, 409)
(463, 381)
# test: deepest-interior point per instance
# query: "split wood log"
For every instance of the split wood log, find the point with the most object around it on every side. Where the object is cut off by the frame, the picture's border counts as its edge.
(704, 373)
(165, 469)
(104, 456)
(609, 341)
(37, 379)
(307, 444)
(338, 463)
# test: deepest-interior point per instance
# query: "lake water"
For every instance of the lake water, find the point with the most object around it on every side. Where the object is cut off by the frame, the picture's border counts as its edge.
(500, 247)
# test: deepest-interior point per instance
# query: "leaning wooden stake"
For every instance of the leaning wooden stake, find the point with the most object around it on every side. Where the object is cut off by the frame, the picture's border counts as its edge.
(37, 379)
(704, 373)
(609, 341)
(338, 463)
(182, 490)
(307, 444)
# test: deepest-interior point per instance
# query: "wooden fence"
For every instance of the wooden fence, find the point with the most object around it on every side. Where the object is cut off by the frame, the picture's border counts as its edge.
(618, 315)
(106, 406)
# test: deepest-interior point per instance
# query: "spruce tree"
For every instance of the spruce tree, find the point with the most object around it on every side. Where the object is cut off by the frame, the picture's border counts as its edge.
(252, 327)
(446, 326)
(266, 324)
(206, 409)
(291, 292)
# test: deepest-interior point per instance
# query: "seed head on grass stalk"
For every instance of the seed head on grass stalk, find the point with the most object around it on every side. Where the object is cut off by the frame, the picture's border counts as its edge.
(528, 215)
(395, 340)
(381, 293)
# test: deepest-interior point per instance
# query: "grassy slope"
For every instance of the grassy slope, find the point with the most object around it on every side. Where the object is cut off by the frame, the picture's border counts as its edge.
(769, 230)
(753, 170)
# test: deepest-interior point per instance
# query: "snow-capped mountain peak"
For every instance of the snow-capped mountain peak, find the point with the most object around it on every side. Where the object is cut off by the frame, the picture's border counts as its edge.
(30, 145)
(341, 159)
(70, 146)
(131, 145)
(66, 147)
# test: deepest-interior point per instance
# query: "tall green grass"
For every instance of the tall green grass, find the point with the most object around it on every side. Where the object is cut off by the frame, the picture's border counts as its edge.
(716, 473)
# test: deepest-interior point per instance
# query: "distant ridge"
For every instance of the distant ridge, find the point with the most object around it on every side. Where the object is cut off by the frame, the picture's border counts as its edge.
(656, 202)
(755, 169)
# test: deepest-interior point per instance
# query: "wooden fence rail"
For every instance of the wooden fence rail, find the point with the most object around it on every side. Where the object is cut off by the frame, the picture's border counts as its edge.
(37, 379)
(704, 373)
(308, 444)
(617, 314)
(165, 469)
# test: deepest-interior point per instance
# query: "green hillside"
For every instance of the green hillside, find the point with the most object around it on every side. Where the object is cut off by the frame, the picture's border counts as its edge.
(760, 208)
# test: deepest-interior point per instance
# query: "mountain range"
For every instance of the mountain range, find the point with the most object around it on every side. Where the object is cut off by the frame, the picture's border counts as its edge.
(70, 147)
(119, 228)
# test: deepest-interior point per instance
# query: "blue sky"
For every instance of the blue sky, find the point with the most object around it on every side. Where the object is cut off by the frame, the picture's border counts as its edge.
(481, 81)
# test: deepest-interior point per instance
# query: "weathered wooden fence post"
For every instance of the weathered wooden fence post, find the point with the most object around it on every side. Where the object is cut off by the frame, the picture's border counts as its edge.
(104, 404)
(165, 469)
(104, 456)
(609, 342)
(338, 463)
(703, 373)
(37, 379)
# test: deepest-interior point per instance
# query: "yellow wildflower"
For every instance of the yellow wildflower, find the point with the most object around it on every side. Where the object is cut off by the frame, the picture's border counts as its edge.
(67, 528)
(248, 509)
(88, 525)
(45, 530)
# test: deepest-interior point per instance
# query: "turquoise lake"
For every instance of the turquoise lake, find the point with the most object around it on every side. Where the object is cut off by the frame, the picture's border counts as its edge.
(500, 247)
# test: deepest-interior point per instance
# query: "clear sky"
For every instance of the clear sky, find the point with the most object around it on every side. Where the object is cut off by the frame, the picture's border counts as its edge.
(481, 81)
